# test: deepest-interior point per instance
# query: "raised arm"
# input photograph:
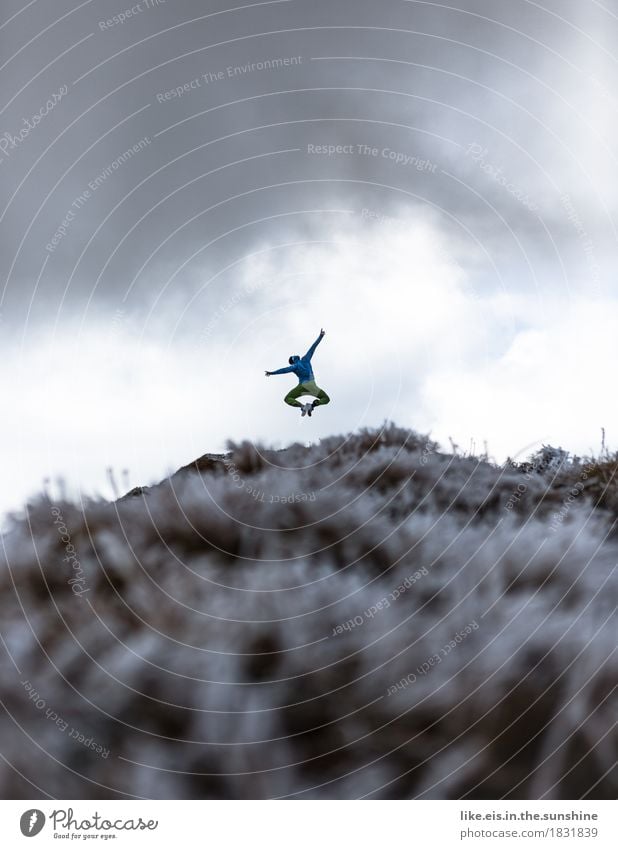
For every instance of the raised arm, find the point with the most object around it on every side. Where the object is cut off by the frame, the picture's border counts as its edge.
(280, 371)
(311, 350)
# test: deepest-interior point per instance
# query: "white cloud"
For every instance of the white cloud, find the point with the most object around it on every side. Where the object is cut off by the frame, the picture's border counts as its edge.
(407, 339)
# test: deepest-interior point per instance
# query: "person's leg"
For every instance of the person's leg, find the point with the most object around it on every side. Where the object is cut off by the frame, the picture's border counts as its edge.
(321, 399)
(293, 394)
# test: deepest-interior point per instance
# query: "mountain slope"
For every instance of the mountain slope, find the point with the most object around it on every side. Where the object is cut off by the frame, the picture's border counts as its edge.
(366, 617)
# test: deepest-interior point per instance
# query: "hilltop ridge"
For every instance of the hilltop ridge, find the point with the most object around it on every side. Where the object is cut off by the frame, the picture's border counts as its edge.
(369, 616)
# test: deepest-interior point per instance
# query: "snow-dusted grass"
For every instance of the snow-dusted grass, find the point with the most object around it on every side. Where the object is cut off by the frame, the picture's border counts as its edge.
(367, 617)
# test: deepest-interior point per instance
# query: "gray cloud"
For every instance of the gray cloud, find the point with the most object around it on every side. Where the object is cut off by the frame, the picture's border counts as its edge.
(428, 83)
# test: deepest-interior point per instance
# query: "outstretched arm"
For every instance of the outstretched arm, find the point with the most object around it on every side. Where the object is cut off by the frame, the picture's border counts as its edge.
(279, 371)
(311, 350)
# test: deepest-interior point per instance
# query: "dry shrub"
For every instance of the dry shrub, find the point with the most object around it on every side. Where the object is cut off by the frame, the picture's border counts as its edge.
(274, 639)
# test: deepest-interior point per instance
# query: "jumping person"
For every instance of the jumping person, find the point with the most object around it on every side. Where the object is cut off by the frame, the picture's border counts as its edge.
(301, 367)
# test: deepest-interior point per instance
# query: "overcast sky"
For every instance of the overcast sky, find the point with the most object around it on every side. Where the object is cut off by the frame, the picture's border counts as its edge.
(190, 190)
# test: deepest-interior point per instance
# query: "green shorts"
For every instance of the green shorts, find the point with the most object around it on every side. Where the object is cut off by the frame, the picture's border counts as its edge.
(309, 387)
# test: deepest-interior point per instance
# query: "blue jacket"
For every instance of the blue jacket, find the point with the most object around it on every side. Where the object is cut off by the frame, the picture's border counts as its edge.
(302, 365)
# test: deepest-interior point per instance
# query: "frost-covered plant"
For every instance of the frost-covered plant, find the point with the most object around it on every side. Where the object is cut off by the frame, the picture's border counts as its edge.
(246, 634)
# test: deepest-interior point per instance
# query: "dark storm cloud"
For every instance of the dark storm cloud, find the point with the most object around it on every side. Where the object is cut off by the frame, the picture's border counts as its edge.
(223, 106)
